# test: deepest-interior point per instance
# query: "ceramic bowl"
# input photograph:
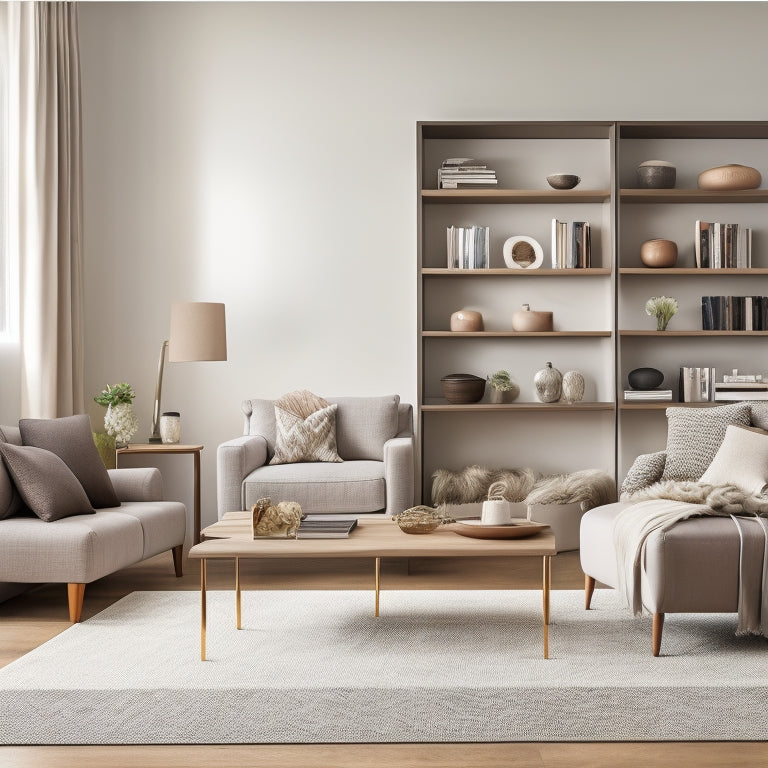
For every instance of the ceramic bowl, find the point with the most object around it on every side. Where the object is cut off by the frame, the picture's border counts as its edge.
(658, 253)
(461, 388)
(656, 174)
(645, 378)
(563, 180)
(732, 176)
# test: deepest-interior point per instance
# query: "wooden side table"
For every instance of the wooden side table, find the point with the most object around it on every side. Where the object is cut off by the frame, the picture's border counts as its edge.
(172, 448)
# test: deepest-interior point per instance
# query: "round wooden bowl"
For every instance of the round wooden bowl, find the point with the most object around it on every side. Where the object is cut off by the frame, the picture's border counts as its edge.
(732, 176)
(658, 253)
(529, 320)
(459, 388)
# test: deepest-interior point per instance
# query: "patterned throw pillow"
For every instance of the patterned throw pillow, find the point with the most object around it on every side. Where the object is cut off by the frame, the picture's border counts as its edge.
(645, 470)
(306, 429)
(695, 434)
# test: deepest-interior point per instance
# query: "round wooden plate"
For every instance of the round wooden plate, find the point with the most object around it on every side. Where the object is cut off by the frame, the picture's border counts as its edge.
(519, 528)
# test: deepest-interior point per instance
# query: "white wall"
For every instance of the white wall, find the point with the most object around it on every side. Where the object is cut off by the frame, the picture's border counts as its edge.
(263, 155)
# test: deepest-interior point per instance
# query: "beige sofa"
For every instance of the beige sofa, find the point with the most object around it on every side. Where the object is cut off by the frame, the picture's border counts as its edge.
(375, 439)
(81, 548)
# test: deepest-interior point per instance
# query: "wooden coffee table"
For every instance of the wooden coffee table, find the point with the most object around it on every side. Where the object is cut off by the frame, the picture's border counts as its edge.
(375, 538)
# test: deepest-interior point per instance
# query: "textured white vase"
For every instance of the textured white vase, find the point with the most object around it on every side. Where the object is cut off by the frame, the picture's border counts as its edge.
(121, 421)
(573, 386)
(549, 384)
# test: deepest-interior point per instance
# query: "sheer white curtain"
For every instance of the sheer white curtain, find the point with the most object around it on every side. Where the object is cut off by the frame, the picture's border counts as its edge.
(46, 204)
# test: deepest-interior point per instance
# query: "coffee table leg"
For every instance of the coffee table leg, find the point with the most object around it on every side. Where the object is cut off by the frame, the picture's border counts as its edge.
(202, 609)
(378, 582)
(237, 592)
(547, 583)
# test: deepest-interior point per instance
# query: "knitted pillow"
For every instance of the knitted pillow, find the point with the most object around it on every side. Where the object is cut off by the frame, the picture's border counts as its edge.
(306, 429)
(645, 470)
(695, 434)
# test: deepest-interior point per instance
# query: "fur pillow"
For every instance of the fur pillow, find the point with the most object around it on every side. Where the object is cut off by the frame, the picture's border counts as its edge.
(741, 460)
(306, 429)
(695, 434)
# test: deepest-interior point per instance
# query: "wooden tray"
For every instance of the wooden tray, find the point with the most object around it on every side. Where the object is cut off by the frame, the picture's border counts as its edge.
(517, 529)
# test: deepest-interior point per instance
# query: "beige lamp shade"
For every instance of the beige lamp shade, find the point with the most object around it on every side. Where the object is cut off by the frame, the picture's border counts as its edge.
(198, 332)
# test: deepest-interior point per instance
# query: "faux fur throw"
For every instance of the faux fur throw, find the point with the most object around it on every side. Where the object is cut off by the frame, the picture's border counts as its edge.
(723, 499)
(471, 485)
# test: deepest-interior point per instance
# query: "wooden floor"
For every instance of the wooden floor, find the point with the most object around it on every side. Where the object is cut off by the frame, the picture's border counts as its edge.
(33, 618)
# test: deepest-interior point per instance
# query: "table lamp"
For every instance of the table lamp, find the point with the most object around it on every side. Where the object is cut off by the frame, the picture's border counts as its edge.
(198, 332)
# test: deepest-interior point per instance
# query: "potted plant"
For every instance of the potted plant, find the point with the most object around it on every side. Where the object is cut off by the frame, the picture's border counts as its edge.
(119, 420)
(662, 308)
(503, 389)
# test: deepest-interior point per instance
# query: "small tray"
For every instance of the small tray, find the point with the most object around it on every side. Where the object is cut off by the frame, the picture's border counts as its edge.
(517, 529)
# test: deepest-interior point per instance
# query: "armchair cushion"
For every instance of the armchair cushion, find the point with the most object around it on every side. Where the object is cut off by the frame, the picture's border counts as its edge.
(70, 438)
(695, 434)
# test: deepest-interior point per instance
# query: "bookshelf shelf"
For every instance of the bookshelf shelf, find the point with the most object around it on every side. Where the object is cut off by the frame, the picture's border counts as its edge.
(655, 196)
(504, 196)
(693, 271)
(516, 334)
(515, 273)
(442, 406)
(690, 334)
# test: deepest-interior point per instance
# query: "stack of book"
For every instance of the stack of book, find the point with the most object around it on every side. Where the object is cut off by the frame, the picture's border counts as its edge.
(647, 395)
(734, 313)
(322, 527)
(464, 173)
(571, 245)
(467, 247)
(749, 386)
(722, 246)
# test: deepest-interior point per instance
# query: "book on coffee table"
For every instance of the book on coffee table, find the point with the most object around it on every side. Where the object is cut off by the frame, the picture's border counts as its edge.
(319, 528)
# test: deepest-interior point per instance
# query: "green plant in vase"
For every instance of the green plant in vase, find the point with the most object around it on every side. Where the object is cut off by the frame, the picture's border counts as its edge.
(503, 388)
(662, 308)
(120, 420)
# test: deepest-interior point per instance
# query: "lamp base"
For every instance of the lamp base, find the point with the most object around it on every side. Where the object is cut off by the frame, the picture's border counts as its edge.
(153, 439)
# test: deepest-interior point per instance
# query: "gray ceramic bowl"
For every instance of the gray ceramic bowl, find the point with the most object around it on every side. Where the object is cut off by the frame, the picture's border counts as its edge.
(563, 180)
(656, 174)
(645, 378)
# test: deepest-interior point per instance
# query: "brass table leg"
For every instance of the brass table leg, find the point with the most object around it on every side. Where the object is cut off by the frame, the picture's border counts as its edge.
(237, 592)
(547, 583)
(202, 609)
(378, 583)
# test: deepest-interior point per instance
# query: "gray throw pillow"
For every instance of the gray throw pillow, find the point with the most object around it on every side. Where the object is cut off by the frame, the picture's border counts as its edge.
(695, 434)
(45, 482)
(71, 439)
(10, 501)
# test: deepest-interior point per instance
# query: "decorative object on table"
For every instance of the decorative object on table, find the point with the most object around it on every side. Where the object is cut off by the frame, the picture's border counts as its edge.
(697, 385)
(275, 522)
(730, 177)
(105, 445)
(527, 320)
(514, 529)
(503, 389)
(662, 308)
(573, 386)
(658, 253)
(656, 174)
(522, 252)
(170, 427)
(120, 420)
(497, 510)
(198, 332)
(645, 378)
(467, 321)
(549, 384)
(464, 172)
(563, 180)
(460, 388)
(421, 519)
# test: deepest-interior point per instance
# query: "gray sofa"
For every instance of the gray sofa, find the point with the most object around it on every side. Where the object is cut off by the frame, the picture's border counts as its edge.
(374, 436)
(695, 565)
(81, 548)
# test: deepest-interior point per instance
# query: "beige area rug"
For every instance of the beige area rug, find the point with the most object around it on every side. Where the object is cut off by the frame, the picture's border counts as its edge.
(316, 666)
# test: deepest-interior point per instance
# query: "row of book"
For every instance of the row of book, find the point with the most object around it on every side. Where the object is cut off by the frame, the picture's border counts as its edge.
(571, 244)
(734, 313)
(465, 173)
(467, 247)
(722, 246)
(647, 395)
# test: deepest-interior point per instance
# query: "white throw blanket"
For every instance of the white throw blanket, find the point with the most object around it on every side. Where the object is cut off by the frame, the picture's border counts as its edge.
(634, 524)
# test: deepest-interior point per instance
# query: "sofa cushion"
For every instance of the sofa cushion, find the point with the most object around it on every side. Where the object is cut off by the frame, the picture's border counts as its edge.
(695, 434)
(305, 429)
(759, 414)
(10, 500)
(741, 460)
(45, 482)
(71, 439)
(364, 424)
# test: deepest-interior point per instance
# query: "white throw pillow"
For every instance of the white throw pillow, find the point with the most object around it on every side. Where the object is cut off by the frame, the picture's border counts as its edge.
(741, 460)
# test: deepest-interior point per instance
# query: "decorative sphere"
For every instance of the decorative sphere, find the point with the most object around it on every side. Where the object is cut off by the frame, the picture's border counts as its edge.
(645, 378)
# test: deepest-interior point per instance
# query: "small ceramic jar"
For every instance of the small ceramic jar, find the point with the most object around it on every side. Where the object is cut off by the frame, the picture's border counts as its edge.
(658, 253)
(170, 427)
(466, 320)
(530, 320)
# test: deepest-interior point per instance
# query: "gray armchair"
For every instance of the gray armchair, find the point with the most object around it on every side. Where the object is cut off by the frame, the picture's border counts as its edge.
(374, 437)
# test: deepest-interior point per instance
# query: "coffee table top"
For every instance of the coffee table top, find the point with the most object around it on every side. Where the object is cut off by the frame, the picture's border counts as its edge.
(374, 537)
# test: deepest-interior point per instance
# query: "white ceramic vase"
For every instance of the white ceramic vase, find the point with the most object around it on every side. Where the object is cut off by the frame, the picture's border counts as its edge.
(573, 386)
(121, 421)
(549, 384)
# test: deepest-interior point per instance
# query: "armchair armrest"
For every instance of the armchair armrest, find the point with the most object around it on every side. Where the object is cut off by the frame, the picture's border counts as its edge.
(646, 470)
(234, 460)
(137, 483)
(399, 466)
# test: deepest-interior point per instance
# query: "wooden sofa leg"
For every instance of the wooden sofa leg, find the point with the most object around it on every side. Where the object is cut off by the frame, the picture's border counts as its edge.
(177, 559)
(589, 588)
(658, 627)
(75, 594)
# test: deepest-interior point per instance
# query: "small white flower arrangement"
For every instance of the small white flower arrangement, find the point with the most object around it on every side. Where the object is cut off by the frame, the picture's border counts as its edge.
(120, 420)
(662, 308)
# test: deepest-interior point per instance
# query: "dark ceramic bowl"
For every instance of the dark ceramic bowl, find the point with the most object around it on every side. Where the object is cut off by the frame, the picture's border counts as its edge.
(463, 388)
(563, 180)
(650, 176)
(645, 378)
